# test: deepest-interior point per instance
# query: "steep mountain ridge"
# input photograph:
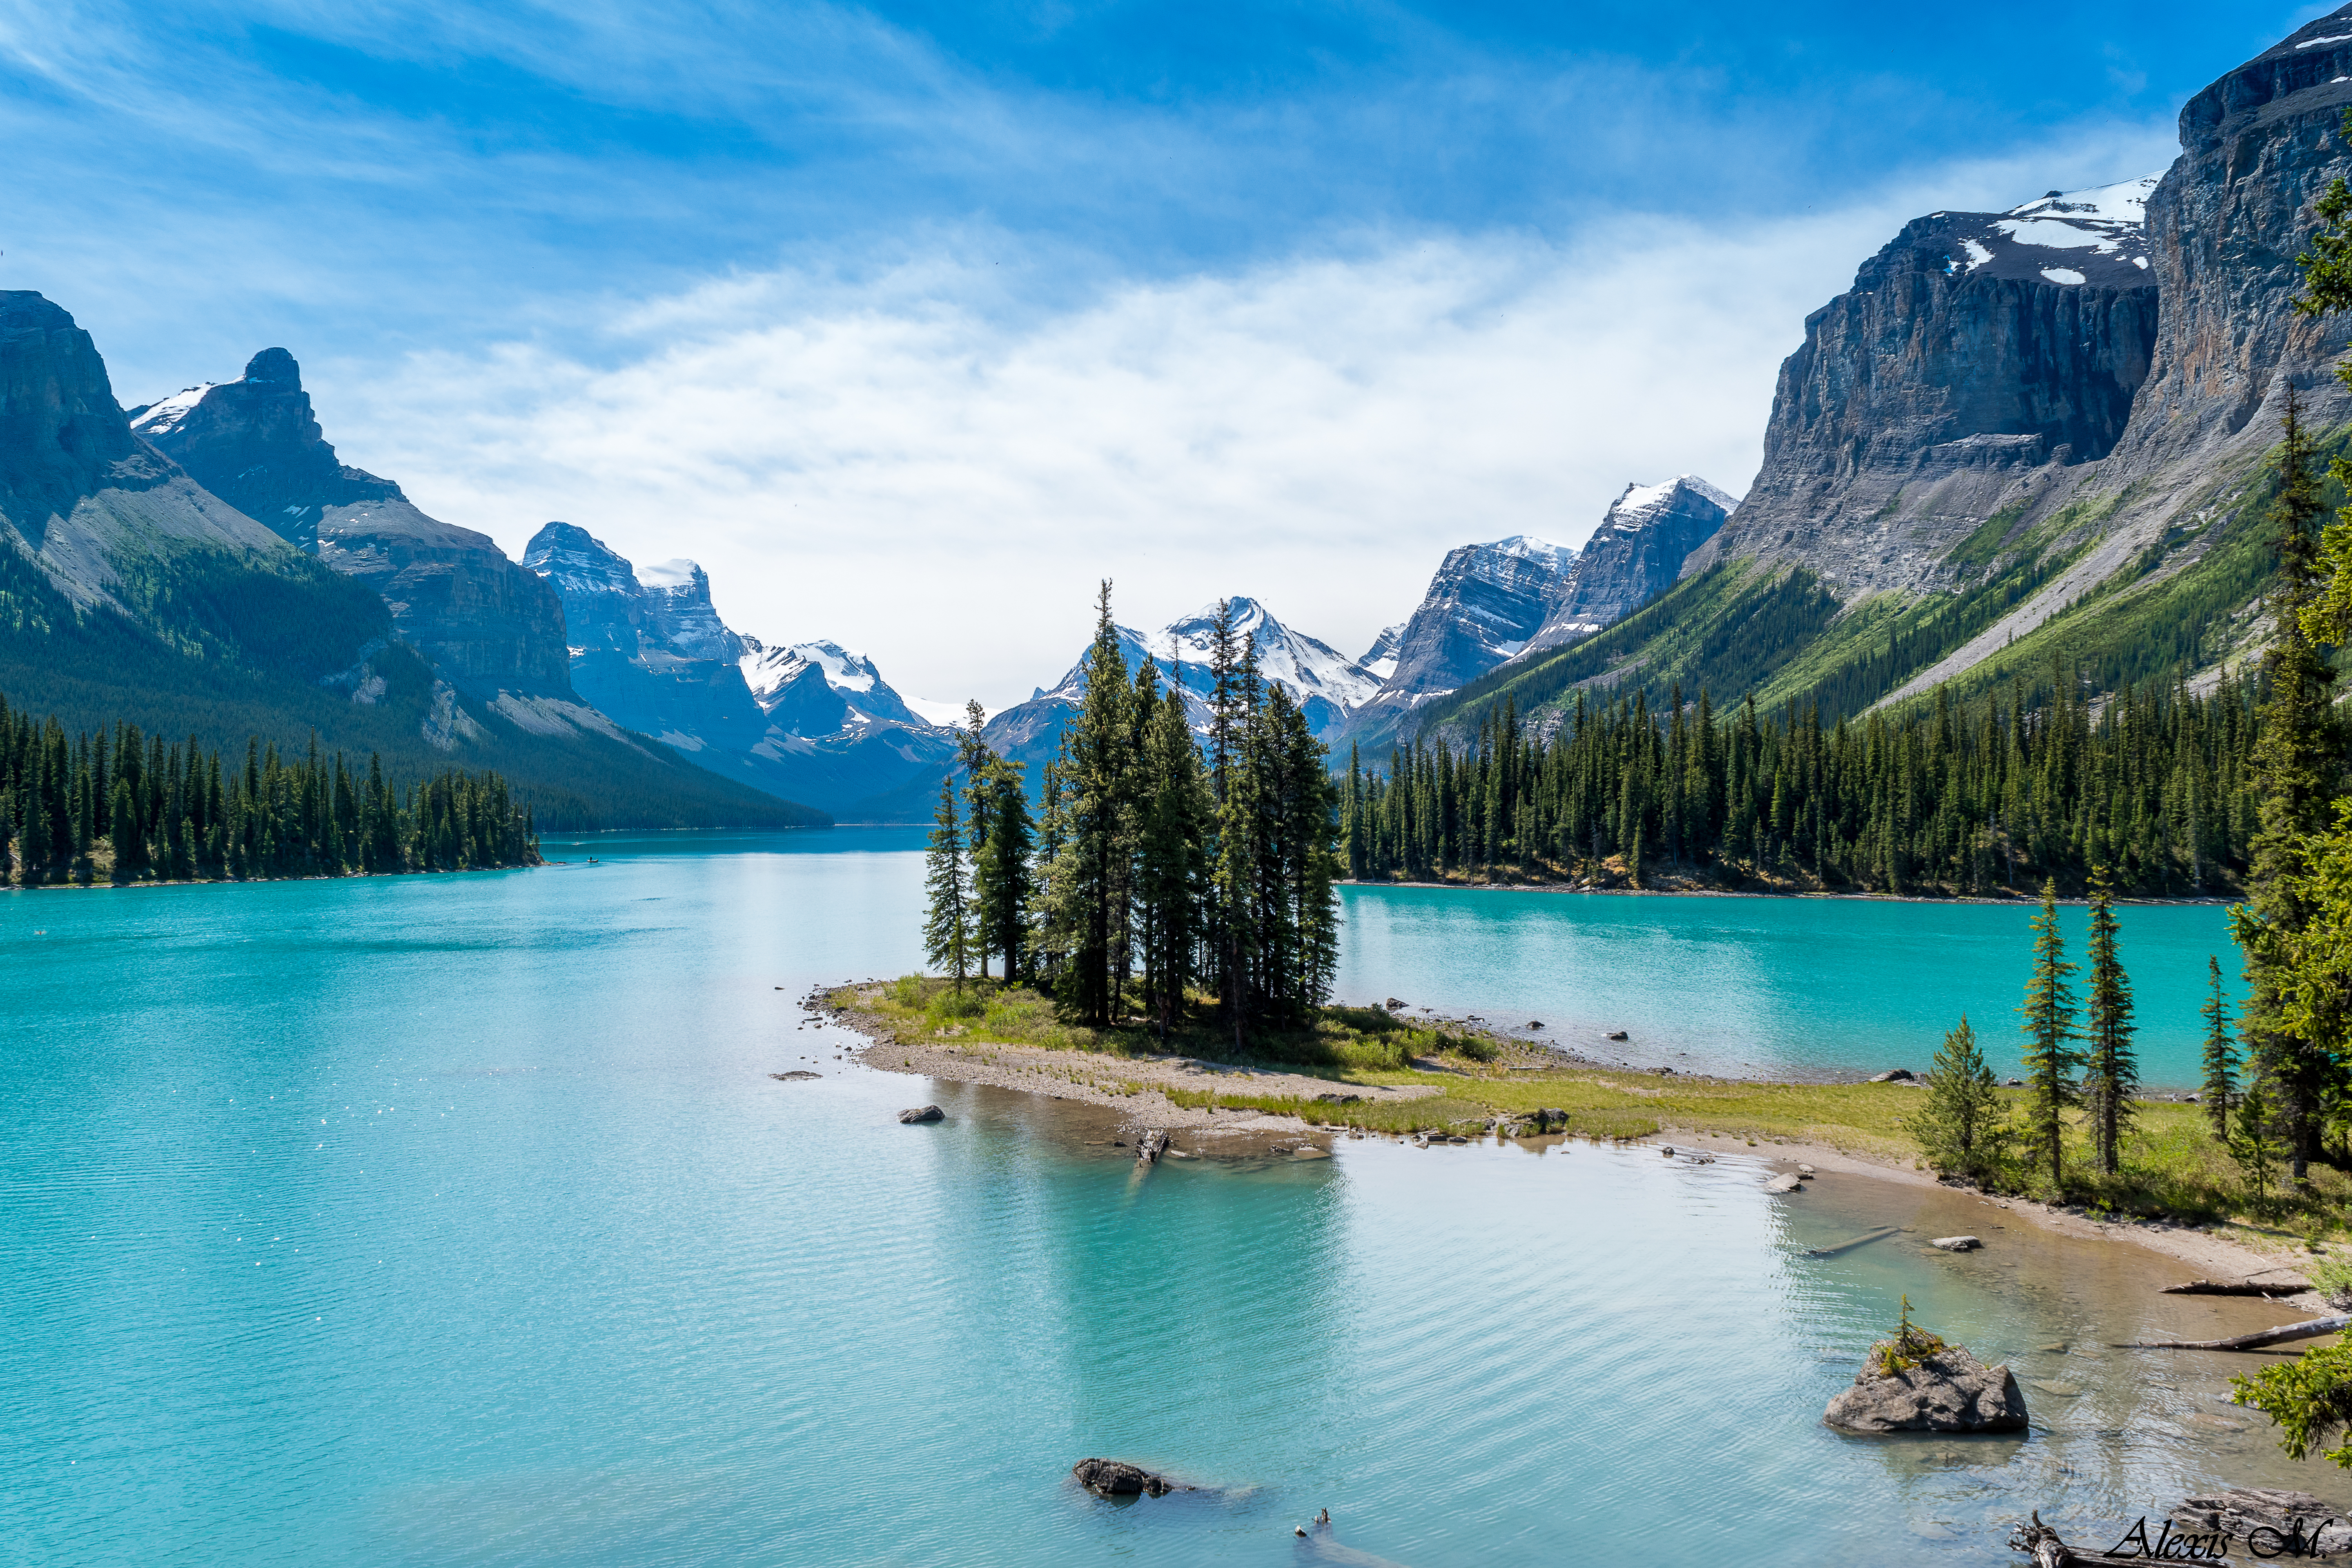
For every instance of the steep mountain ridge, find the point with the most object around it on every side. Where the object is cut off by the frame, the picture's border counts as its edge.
(128, 591)
(813, 722)
(1634, 556)
(1979, 470)
(490, 627)
(1483, 604)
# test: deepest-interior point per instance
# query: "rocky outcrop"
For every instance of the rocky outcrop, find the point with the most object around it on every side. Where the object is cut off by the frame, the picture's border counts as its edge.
(487, 626)
(648, 648)
(922, 1113)
(1116, 1478)
(1976, 351)
(79, 493)
(2223, 229)
(1948, 1390)
(1484, 605)
(1633, 557)
(811, 722)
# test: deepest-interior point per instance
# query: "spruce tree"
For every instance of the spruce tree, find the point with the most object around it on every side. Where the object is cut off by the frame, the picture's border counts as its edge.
(2220, 1090)
(2296, 777)
(2257, 1140)
(947, 927)
(1101, 821)
(974, 751)
(2110, 1067)
(1171, 859)
(1962, 1126)
(2050, 1058)
(1002, 883)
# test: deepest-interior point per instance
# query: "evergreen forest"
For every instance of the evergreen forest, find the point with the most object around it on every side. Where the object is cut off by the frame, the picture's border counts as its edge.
(113, 804)
(1979, 800)
(1165, 877)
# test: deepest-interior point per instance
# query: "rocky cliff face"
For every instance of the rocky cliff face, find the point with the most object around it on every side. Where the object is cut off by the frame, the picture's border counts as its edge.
(488, 626)
(80, 493)
(813, 722)
(655, 657)
(1484, 605)
(1975, 351)
(2223, 227)
(1633, 557)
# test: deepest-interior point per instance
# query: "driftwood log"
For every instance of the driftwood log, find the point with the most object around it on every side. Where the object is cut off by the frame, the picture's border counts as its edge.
(1150, 1146)
(2246, 1287)
(2309, 1329)
(1850, 1245)
(2040, 1542)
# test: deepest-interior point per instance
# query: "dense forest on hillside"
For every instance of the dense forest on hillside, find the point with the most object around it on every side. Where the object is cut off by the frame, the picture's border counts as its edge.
(1974, 799)
(224, 648)
(120, 806)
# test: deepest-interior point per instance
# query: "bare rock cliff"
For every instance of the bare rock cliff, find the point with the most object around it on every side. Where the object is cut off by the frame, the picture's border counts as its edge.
(489, 626)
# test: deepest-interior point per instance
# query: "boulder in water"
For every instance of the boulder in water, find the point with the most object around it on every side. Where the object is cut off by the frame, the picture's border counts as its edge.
(1893, 1075)
(1917, 1383)
(1116, 1478)
(796, 1076)
(922, 1113)
(1956, 1243)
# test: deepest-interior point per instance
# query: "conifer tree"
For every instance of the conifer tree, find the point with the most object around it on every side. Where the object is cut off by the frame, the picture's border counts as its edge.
(1003, 882)
(2220, 1090)
(1962, 1126)
(1101, 822)
(2110, 1067)
(977, 757)
(2050, 1058)
(2296, 777)
(2257, 1141)
(1172, 854)
(947, 927)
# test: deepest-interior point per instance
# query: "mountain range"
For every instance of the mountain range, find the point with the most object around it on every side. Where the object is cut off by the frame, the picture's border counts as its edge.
(2027, 445)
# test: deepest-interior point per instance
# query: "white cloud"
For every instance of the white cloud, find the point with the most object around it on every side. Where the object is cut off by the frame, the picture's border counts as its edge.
(907, 463)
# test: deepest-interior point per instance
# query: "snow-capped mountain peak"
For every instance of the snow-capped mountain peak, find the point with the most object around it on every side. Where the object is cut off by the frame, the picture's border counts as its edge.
(773, 672)
(2065, 236)
(163, 416)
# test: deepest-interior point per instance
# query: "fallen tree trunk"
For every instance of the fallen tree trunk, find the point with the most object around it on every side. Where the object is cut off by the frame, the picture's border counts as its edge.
(2247, 1287)
(1850, 1245)
(2309, 1329)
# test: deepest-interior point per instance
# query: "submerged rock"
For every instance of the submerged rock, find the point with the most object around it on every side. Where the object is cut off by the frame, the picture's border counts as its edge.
(1790, 1182)
(922, 1113)
(1956, 1243)
(796, 1075)
(1116, 1478)
(1916, 1382)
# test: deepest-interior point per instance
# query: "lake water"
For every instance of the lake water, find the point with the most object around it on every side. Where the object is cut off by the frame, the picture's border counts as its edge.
(455, 1220)
(1768, 987)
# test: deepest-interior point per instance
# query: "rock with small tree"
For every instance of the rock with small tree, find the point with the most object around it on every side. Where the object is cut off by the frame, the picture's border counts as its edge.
(1915, 1381)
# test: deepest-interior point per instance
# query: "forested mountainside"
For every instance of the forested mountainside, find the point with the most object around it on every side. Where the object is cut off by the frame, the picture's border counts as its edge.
(2024, 442)
(129, 592)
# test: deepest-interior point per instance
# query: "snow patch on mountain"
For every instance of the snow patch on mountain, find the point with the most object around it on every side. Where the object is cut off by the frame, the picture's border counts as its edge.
(163, 416)
(771, 672)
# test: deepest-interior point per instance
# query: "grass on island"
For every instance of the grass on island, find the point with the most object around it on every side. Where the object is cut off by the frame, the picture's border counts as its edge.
(2172, 1164)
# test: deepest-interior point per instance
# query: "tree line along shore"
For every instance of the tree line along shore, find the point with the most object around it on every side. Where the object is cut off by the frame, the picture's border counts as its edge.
(115, 807)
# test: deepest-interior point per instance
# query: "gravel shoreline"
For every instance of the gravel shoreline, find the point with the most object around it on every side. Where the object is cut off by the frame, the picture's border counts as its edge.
(1133, 1086)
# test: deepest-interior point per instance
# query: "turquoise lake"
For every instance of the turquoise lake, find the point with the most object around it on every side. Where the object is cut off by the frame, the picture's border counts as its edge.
(455, 1220)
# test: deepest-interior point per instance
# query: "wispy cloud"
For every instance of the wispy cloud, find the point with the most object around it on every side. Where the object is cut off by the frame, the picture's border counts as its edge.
(905, 457)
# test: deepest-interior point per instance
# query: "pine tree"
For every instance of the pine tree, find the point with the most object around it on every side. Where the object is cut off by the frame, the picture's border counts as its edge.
(2111, 1074)
(2051, 1059)
(2220, 1090)
(1962, 1126)
(1100, 736)
(947, 927)
(2257, 1141)
(2296, 776)
(1002, 883)
(979, 790)
(1171, 859)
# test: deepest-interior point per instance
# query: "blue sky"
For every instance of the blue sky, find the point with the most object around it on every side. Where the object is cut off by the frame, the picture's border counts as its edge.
(893, 315)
